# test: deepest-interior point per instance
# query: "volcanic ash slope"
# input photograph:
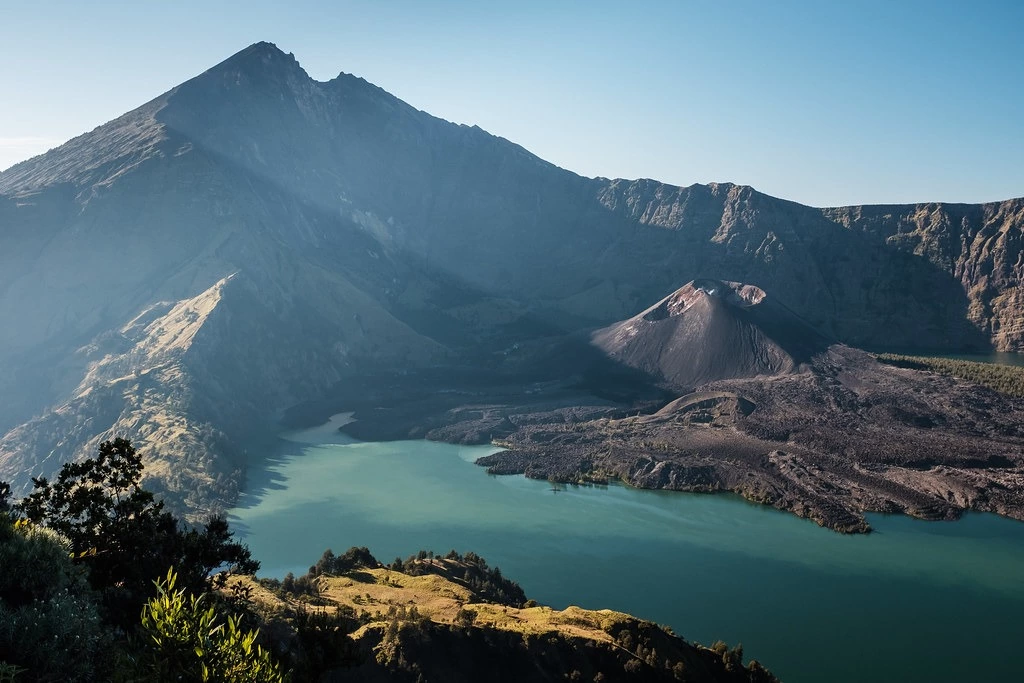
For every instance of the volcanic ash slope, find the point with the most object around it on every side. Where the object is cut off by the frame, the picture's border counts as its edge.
(710, 330)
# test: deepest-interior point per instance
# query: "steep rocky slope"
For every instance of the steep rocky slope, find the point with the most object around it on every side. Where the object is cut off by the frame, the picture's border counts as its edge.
(980, 245)
(300, 233)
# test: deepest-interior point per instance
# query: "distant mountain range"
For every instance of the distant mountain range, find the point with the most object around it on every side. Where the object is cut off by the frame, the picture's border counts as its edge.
(254, 239)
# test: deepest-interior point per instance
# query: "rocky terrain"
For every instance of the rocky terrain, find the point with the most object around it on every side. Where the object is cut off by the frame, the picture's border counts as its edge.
(757, 404)
(979, 245)
(848, 436)
(254, 240)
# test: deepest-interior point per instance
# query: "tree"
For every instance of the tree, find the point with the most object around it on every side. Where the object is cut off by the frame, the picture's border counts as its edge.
(123, 534)
(465, 617)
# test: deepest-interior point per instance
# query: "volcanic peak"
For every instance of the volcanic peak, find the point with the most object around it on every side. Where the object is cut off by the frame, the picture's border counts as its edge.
(711, 330)
(730, 293)
(259, 57)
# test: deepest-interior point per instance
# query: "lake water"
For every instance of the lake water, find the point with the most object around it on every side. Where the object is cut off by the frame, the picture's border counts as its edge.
(915, 601)
(997, 357)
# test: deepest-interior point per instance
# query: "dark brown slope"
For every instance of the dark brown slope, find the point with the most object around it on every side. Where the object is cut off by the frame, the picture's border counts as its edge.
(710, 330)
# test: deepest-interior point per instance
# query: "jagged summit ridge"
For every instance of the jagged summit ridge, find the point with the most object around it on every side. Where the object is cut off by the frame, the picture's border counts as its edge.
(261, 49)
(260, 60)
(710, 330)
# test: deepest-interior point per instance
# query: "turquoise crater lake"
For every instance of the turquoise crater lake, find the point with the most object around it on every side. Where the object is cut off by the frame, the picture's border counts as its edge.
(915, 601)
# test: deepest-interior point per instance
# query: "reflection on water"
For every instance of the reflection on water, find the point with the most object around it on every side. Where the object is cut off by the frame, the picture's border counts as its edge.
(811, 604)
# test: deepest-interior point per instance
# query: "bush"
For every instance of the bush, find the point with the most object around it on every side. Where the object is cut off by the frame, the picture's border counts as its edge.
(353, 558)
(50, 625)
(465, 617)
(188, 641)
(470, 570)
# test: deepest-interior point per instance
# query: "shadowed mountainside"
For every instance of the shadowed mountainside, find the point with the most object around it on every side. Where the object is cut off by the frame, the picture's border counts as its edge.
(980, 245)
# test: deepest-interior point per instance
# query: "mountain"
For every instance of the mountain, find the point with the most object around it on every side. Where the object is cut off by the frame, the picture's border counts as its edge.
(253, 240)
(762, 405)
(979, 245)
(709, 330)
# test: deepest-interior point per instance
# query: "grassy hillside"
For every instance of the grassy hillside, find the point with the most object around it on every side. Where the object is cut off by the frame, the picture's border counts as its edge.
(433, 621)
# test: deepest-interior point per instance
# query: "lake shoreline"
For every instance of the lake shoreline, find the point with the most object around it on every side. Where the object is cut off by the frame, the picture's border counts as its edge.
(704, 564)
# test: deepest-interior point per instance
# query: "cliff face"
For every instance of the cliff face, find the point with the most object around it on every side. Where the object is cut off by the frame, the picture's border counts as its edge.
(843, 280)
(354, 234)
(978, 245)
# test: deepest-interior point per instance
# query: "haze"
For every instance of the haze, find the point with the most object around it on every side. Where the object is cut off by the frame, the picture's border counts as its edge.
(865, 102)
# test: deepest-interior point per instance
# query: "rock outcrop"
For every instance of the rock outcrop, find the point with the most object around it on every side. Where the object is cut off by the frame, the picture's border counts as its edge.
(980, 245)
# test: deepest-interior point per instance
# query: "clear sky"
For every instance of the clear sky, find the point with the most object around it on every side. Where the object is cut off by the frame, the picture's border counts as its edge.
(823, 102)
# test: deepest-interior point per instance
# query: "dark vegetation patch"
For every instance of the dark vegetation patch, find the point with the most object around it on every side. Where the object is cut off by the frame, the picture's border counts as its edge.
(469, 570)
(1006, 379)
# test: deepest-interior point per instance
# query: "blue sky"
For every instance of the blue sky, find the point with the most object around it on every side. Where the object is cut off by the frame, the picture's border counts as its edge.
(825, 103)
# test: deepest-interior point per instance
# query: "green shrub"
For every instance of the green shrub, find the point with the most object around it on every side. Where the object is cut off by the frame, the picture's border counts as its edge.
(50, 626)
(188, 641)
(8, 672)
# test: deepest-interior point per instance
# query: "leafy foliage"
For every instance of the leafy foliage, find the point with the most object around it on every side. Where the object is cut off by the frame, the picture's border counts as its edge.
(123, 534)
(297, 587)
(322, 642)
(188, 641)
(8, 672)
(465, 617)
(107, 541)
(50, 626)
